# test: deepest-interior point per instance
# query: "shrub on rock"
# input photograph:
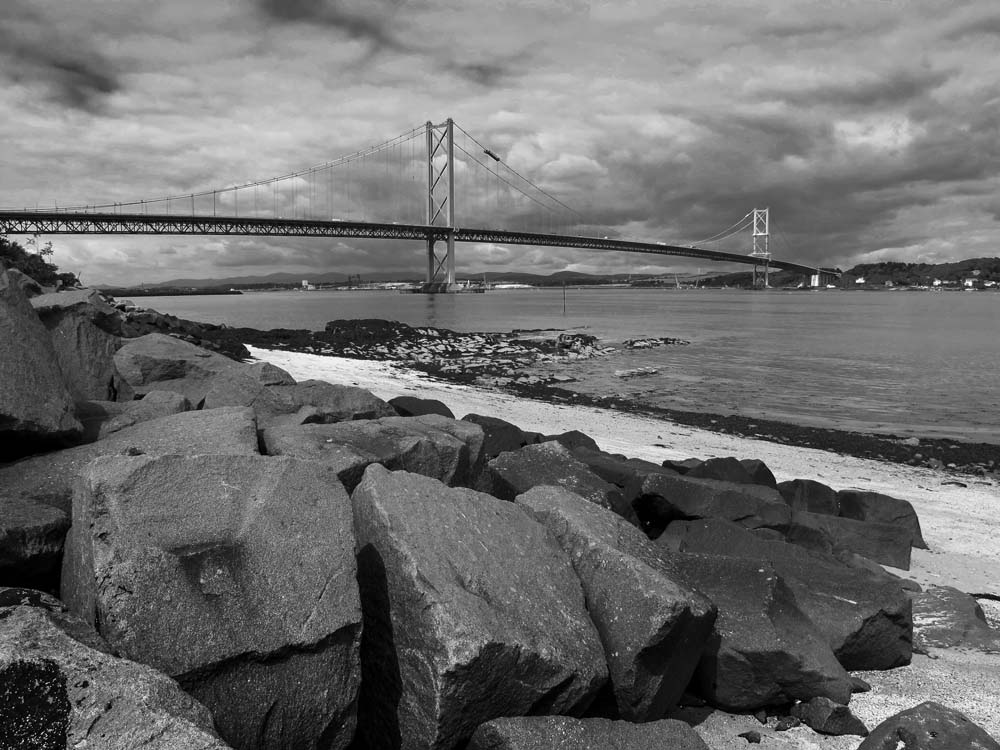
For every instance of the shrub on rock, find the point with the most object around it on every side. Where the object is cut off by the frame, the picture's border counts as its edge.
(929, 726)
(562, 733)
(233, 574)
(652, 626)
(472, 612)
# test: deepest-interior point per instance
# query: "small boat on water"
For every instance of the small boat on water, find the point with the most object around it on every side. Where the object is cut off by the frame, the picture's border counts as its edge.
(635, 372)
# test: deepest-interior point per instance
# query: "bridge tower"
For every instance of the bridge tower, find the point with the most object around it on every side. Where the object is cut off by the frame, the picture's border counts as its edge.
(761, 236)
(441, 204)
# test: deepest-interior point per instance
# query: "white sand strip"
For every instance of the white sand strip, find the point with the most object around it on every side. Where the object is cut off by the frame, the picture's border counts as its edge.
(959, 524)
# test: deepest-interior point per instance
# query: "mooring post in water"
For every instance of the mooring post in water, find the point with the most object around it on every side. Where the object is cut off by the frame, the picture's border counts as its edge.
(564, 296)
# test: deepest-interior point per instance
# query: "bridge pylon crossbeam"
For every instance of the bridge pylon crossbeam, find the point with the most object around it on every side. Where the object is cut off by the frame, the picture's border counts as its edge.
(441, 202)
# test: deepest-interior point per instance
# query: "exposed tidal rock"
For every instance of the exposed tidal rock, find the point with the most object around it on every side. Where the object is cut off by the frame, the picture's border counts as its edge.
(652, 626)
(411, 406)
(233, 574)
(764, 650)
(472, 612)
(866, 618)
(945, 617)
(562, 733)
(56, 692)
(448, 450)
(36, 408)
(929, 726)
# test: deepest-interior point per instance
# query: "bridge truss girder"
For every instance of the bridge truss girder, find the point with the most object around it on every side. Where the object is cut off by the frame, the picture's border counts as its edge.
(56, 222)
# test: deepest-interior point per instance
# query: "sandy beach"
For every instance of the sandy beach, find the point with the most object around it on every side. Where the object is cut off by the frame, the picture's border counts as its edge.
(958, 522)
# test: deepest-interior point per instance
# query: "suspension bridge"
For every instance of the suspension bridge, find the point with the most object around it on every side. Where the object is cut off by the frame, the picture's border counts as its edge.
(405, 188)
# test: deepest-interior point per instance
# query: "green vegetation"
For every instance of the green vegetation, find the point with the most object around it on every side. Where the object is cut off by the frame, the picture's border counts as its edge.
(925, 274)
(13, 255)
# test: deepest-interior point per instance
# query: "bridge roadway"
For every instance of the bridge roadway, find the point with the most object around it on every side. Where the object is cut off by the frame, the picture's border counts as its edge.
(69, 222)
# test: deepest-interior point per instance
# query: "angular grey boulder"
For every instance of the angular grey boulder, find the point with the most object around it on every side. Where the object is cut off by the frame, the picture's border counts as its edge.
(929, 726)
(103, 418)
(31, 541)
(662, 498)
(411, 406)
(56, 692)
(810, 495)
(874, 506)
(866, 618)
(49, 478)
(885, 543)
(233, 574)
(726, 469)
(944, 617)
(550, 463)
(501, 436)
(35, 406)
(445, 449)
(563, 733)
(652, 626)
(168, 363)
(471, 612)
(764, 651)
(827, 717)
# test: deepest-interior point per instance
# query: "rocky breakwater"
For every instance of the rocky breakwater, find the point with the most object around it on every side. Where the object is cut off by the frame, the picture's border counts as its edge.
(257, 563)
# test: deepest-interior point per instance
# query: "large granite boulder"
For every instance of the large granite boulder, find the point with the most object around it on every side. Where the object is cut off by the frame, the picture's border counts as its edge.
(472, 612)
(158, 361)
(501, 436)
(233, 574)
(550, 463)
(885, 543)
(661, 498)
(866, 618)
(726, 469)
(759, 472)
(80, 322)
(411, 406)
(31, 542)
(810, 495)
(49, 478)
(564, 733)
(874, 506)
(56, 692)
(446, 449)
(929, 726)
(944, 617)
(618, 470)
(764, 650)
(652, 626)
(102, 418)
(36, 408)
(827, 717)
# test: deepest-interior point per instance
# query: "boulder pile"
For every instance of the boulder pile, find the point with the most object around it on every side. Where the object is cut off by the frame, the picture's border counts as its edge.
(246, 561)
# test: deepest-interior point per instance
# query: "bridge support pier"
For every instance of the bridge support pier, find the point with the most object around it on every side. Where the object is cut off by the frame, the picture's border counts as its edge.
(441, 205)
(761, 274)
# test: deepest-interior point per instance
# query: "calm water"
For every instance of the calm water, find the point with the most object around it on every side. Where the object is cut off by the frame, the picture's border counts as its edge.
(911, 363)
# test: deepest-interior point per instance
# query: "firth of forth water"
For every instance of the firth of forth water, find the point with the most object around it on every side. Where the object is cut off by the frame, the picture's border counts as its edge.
(908, 363)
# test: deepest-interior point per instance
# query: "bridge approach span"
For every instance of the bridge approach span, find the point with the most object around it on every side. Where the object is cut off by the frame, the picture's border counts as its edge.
(67, 222)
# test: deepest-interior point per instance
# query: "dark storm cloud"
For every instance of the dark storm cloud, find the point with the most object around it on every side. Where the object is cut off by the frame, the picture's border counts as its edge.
(886, 90)
(368, 25)
(34, 49)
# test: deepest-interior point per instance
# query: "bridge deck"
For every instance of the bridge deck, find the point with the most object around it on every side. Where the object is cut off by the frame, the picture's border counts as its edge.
(61, 222)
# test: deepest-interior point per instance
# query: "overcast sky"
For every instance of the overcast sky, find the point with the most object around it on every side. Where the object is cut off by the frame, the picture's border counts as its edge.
(870, 128)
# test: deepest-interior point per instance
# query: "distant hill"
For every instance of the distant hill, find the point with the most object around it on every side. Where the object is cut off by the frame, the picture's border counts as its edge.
(924, 274)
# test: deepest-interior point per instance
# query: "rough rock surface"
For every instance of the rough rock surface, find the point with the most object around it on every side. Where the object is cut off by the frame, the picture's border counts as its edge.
(929, 726)
(78, 323)
(865, 618)
(727, 469)
(810, 495)
(31, 541)
(563, 733)
(170, 364)
(885, 543)
(233, 574)
(471, 612)
(411, 406)
(55, 692)
(550, 463)
(945, 617)
(35, 406)
(764, 651)
(659, 499)
(102, 418)
(501, 436)
(653, 628)
(446, 449)
(49, 478)
(827, 717)
(618, 470)
(759, 472)
(874, 506)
